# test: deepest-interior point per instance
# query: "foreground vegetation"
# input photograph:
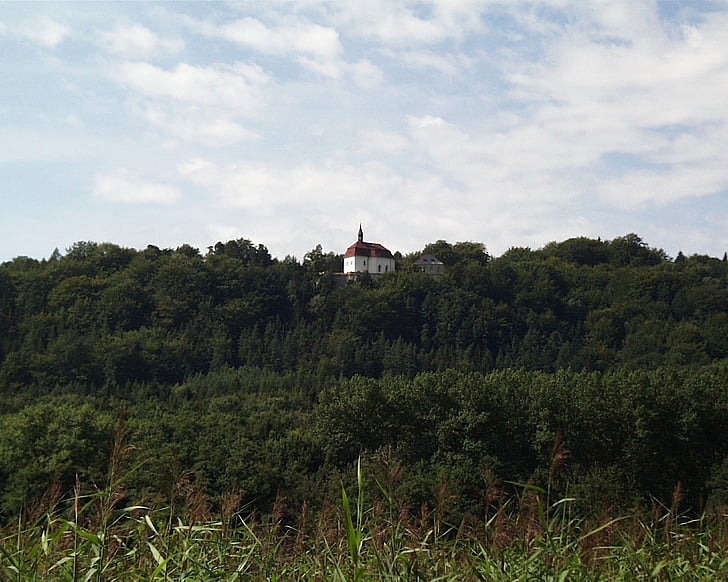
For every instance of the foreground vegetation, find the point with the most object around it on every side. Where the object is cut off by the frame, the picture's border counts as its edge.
(526, 537)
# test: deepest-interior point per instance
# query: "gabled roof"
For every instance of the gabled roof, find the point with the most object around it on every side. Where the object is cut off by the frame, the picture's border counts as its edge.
(428, 260)
(366, 249)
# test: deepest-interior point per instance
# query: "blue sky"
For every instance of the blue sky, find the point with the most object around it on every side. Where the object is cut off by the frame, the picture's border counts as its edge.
(512, 123)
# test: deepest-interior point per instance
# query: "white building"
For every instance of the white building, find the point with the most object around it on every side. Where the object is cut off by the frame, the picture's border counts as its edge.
(430, 264)
(365, 257)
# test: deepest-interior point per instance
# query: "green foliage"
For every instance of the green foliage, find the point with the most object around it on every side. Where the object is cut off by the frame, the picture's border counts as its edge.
(51, 441)
(317, 262)
(451, 254)
(656, 429)
(589, 368)
(581, 251)
(104, 315)
(244, 251)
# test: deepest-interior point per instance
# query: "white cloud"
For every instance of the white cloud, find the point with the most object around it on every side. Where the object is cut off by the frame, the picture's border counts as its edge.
(406, 24)
(135, 41)
(121, 185)
(307, 189)
(382, 142)
(313, 46)
(366, 74)
(331, 69)
(507, 168)
(548, 166)
(284, 205)
(702, 145)
(638, 187)
(617, 81)
(238, 86)
(258, 185)
(200, 104)
(428, 59)
(195, 126)
(45, 32)
(427, 121)
(320, 42)
(194, 166)
(636, 21)
(323, 203)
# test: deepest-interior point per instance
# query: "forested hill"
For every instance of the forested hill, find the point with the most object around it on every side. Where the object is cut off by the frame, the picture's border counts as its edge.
(236, 371)
(102, 315)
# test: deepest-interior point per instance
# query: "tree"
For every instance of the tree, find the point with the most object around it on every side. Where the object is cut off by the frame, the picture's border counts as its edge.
(51, 440)
(580, 250)
(180, 287)
(188, 251)
(630, 249)
(86, 257)
(244, 250)
(8, 297)
(317, 262)
(460, 251)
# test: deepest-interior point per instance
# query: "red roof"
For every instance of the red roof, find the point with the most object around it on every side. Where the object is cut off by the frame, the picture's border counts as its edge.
(366, 249)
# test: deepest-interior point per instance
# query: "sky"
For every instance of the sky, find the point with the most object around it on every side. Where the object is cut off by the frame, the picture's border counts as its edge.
(289, 123)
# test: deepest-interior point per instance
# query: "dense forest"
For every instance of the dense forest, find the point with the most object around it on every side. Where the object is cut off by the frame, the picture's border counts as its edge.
(595, 369)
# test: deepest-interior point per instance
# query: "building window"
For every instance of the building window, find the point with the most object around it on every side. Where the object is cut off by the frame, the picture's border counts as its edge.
(379, 268)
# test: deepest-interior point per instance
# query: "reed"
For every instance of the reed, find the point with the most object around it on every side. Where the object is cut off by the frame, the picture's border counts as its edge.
(91, 536)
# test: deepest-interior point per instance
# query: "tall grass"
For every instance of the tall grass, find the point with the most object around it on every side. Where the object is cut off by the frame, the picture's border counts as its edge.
(95, 536)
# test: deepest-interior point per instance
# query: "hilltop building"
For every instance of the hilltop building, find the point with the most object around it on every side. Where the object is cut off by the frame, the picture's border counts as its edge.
(430, 264)
(366, 257)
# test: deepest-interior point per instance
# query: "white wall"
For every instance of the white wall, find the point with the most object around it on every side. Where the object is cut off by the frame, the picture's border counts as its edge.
(375, 265)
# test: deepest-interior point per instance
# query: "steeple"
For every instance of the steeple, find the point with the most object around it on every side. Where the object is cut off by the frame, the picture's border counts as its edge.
(361, 234)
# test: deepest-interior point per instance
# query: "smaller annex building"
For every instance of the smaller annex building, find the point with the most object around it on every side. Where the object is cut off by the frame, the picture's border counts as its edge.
(430, 264)
(366, 257)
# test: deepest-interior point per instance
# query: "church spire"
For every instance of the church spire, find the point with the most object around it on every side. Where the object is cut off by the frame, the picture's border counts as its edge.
(361, 234)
